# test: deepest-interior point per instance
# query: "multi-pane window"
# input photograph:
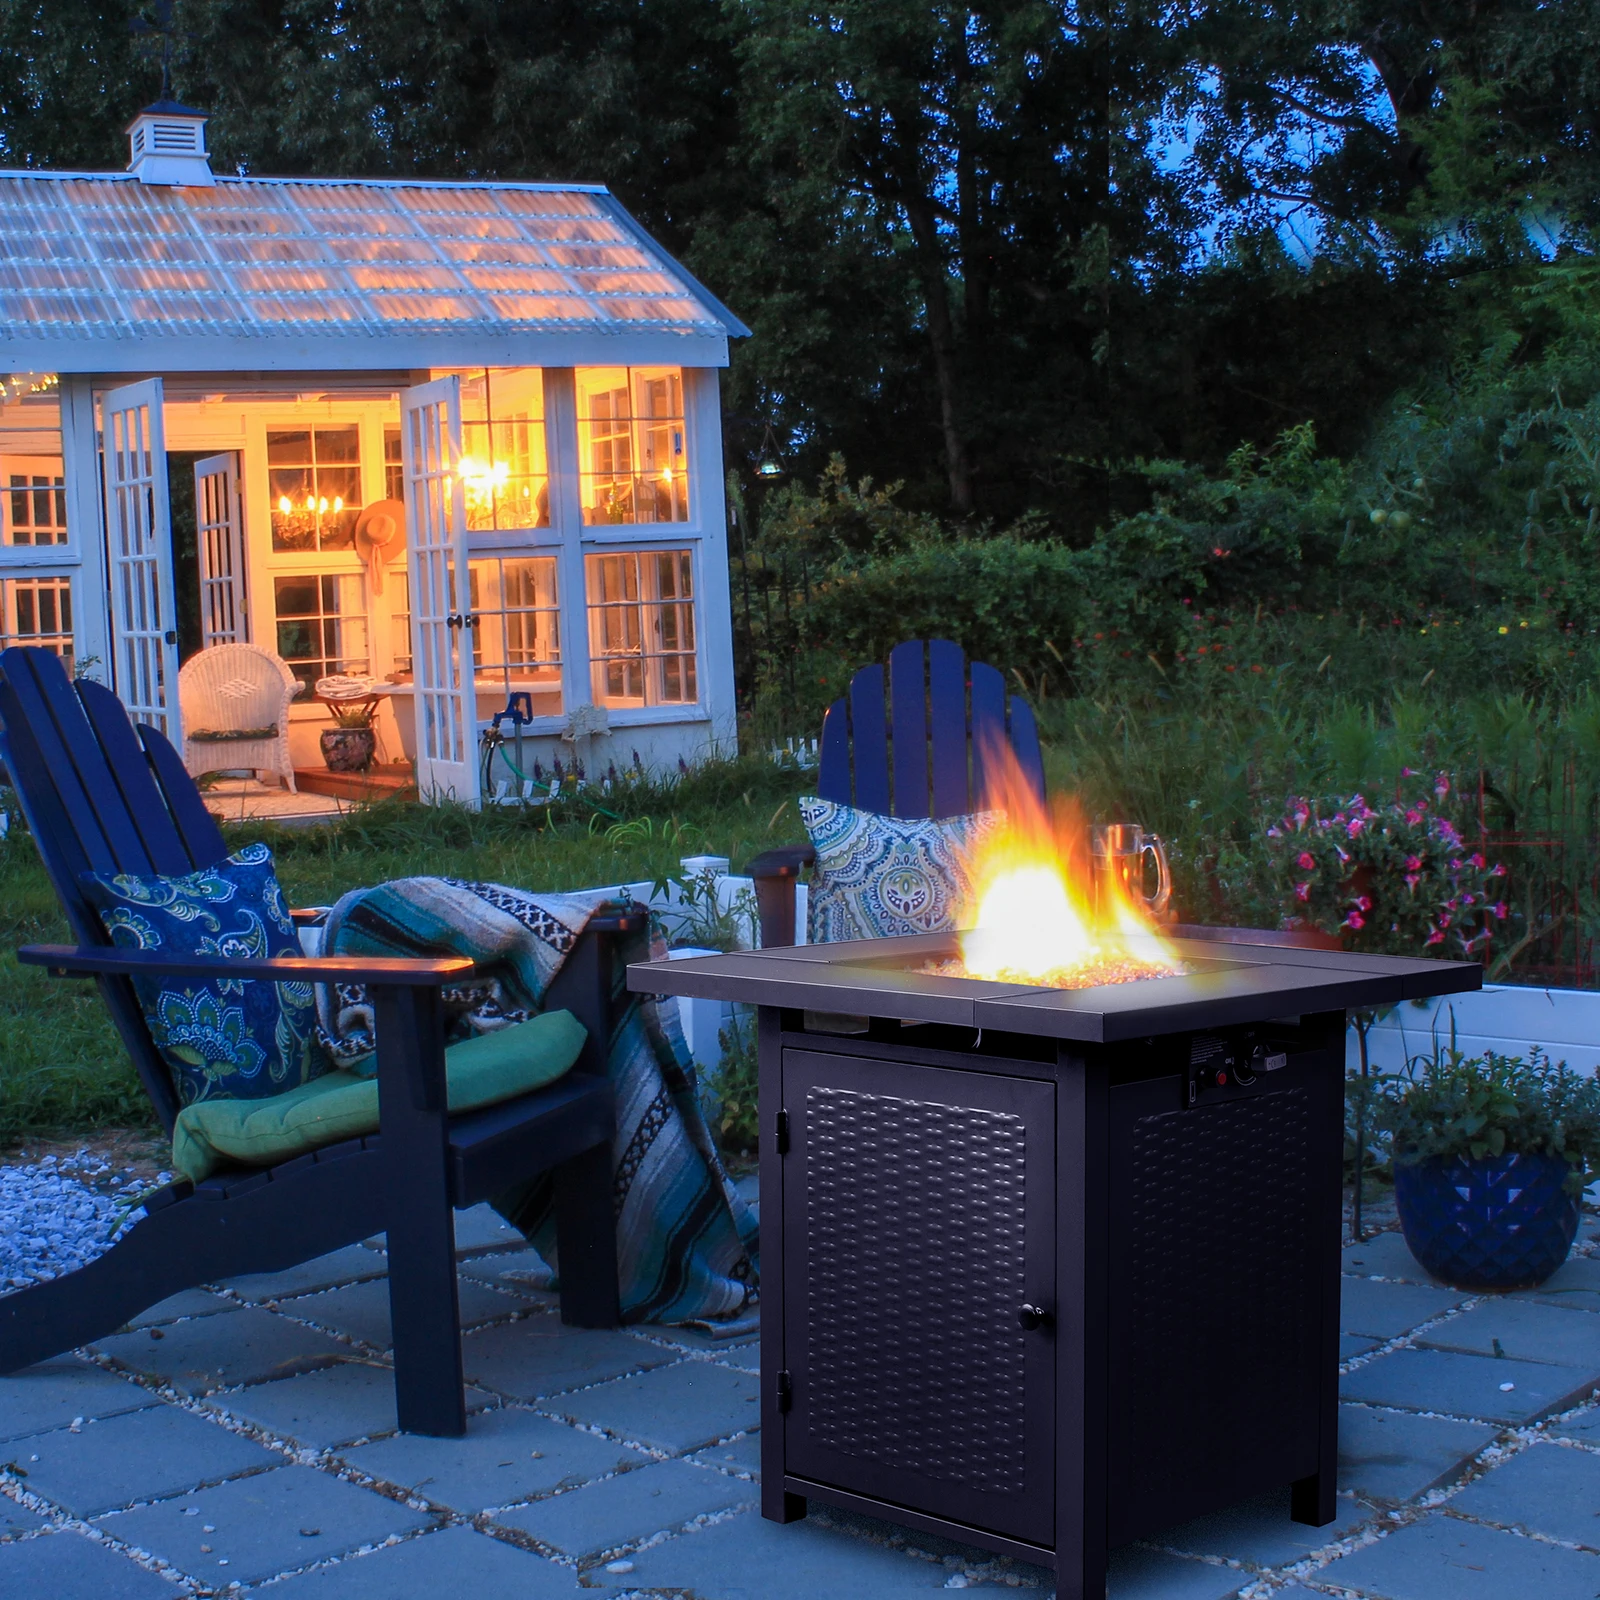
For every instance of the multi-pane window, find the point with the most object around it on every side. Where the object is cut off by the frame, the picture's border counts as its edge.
(631, 454)
(34, 501)
(400, 620)
(38, 611)
(505, 471)
(641, 627)
(314, 476)
(516, 637)
(394, 467)
(322, 623)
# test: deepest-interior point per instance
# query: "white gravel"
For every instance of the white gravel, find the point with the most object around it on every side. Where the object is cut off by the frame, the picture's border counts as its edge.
(58, 1213)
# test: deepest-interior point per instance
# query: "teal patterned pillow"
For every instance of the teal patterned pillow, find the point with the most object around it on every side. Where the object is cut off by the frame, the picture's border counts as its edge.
(222, 1038)
(877, 877)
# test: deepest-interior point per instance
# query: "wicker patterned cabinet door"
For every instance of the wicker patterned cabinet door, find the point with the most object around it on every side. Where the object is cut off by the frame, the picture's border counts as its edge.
(918, 1221)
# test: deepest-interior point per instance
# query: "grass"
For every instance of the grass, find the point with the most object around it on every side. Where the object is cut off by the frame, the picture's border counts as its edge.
(63, 1070)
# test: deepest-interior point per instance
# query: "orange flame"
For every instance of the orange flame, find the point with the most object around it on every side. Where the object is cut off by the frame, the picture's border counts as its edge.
(1039, 911)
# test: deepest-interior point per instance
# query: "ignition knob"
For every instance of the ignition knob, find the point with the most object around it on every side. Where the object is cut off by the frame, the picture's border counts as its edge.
(1032, 1317)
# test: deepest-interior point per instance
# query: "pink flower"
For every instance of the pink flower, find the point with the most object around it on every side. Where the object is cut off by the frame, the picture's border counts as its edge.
(1354, 920)
(1302, 891)
(1434, 938)
(1444, 919)
(1441, 786)
(1476, 859)
(1364, 902)
(1501, 910)
(1412, 880)
(1355, 827)
(1308, 862)
(1413, 863)
(1274, 833)
(1408, 772)
(1498, 870)
(1413, 816)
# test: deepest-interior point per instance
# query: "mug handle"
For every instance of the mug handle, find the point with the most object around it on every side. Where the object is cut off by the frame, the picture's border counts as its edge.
(1163, 894)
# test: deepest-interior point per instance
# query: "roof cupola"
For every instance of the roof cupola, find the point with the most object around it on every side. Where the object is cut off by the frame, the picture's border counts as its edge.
(168, 146)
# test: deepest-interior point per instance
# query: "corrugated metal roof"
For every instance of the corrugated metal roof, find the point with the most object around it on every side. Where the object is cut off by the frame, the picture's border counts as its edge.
(92, 258)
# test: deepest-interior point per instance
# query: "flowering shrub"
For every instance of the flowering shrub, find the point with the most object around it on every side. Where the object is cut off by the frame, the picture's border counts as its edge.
(1397, 878)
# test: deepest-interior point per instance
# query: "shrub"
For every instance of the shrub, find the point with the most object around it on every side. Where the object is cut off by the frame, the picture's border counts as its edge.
(1398, 878)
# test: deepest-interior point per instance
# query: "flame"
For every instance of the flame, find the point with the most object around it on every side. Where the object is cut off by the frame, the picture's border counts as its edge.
(1038, 910)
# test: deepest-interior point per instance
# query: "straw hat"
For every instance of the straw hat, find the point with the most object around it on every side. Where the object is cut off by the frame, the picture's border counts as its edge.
(380, 533)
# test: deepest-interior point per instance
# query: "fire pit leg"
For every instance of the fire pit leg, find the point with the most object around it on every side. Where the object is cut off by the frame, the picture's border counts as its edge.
(777, 1504)
(1311, 1499)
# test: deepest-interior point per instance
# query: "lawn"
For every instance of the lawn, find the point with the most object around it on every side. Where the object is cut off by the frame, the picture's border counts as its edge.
(63, 1070)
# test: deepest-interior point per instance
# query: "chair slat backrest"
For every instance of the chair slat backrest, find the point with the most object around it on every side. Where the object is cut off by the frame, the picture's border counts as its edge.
(87, 782)
(908, 721)
(940, 716)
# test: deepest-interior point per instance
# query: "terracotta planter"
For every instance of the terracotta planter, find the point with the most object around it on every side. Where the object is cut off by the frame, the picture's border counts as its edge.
(348, 749)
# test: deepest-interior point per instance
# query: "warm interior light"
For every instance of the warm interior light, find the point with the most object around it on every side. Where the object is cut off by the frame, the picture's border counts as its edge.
(285, 504)
(338, 502)
(482, 480)
(1039, 912)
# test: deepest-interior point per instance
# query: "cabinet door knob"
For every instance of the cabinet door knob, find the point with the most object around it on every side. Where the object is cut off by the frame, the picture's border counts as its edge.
(1031, 1317)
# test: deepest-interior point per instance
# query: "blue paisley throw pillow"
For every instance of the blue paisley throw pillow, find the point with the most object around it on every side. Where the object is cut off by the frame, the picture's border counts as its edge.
(222, 1038)
(877, 877)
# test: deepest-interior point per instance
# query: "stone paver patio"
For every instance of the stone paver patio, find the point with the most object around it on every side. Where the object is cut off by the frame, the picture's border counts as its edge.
(242, 1442)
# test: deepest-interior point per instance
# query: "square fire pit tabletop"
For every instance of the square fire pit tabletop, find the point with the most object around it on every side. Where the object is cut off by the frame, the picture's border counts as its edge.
(1237, 976)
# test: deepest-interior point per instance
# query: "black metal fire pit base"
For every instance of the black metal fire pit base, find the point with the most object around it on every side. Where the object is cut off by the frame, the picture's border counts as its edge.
(1049, 1294)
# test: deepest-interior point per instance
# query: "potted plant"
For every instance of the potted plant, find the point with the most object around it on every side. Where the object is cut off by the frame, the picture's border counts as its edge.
(1491, 1154)
(350, 744)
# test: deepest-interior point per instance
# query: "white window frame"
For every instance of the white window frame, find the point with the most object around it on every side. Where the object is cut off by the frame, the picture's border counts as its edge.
(11, 576)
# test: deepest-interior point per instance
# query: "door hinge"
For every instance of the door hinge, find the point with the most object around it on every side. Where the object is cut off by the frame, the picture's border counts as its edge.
(781, 1132)
(785, 1392)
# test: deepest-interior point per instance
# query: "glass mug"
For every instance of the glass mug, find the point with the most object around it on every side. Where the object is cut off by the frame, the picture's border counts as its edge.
(1119, 850)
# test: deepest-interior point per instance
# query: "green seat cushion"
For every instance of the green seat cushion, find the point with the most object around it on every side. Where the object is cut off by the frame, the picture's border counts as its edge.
(339, 1105)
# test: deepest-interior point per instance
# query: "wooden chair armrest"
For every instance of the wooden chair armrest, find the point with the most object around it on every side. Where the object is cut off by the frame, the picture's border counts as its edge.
(66, 960)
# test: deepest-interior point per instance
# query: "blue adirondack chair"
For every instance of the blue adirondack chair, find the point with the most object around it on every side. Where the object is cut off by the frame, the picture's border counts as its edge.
(103, 795)
(918, 753)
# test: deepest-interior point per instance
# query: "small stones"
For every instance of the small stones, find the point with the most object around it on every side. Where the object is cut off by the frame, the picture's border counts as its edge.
(59, 1213)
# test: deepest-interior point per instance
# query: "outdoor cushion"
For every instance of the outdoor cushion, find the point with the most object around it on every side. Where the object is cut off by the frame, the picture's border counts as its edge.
(231, 735)
(223, 1038)
(876, 877)
(340, 1105)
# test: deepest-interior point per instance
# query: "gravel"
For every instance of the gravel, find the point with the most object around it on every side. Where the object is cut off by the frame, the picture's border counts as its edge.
(59, 1213)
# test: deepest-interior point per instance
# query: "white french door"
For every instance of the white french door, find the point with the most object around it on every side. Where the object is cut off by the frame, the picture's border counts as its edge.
(144, 617)
(436, 554)
(224, 610)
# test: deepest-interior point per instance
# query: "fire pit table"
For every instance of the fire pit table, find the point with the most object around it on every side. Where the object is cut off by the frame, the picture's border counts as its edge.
(1048, 1270)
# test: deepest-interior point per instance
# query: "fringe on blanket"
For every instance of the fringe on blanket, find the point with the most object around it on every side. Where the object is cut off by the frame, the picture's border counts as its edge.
(687, 1247)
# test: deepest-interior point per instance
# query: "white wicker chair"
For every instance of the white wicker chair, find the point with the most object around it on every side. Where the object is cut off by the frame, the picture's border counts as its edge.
(235, 700)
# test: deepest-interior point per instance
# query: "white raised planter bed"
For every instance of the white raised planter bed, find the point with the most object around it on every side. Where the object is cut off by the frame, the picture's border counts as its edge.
(1508, 1018)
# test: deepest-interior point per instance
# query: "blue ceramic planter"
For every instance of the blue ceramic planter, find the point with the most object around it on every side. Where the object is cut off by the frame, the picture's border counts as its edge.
(1503, 1222)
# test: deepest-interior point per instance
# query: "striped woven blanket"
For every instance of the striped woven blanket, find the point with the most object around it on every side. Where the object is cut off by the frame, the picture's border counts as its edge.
(686, 1243)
